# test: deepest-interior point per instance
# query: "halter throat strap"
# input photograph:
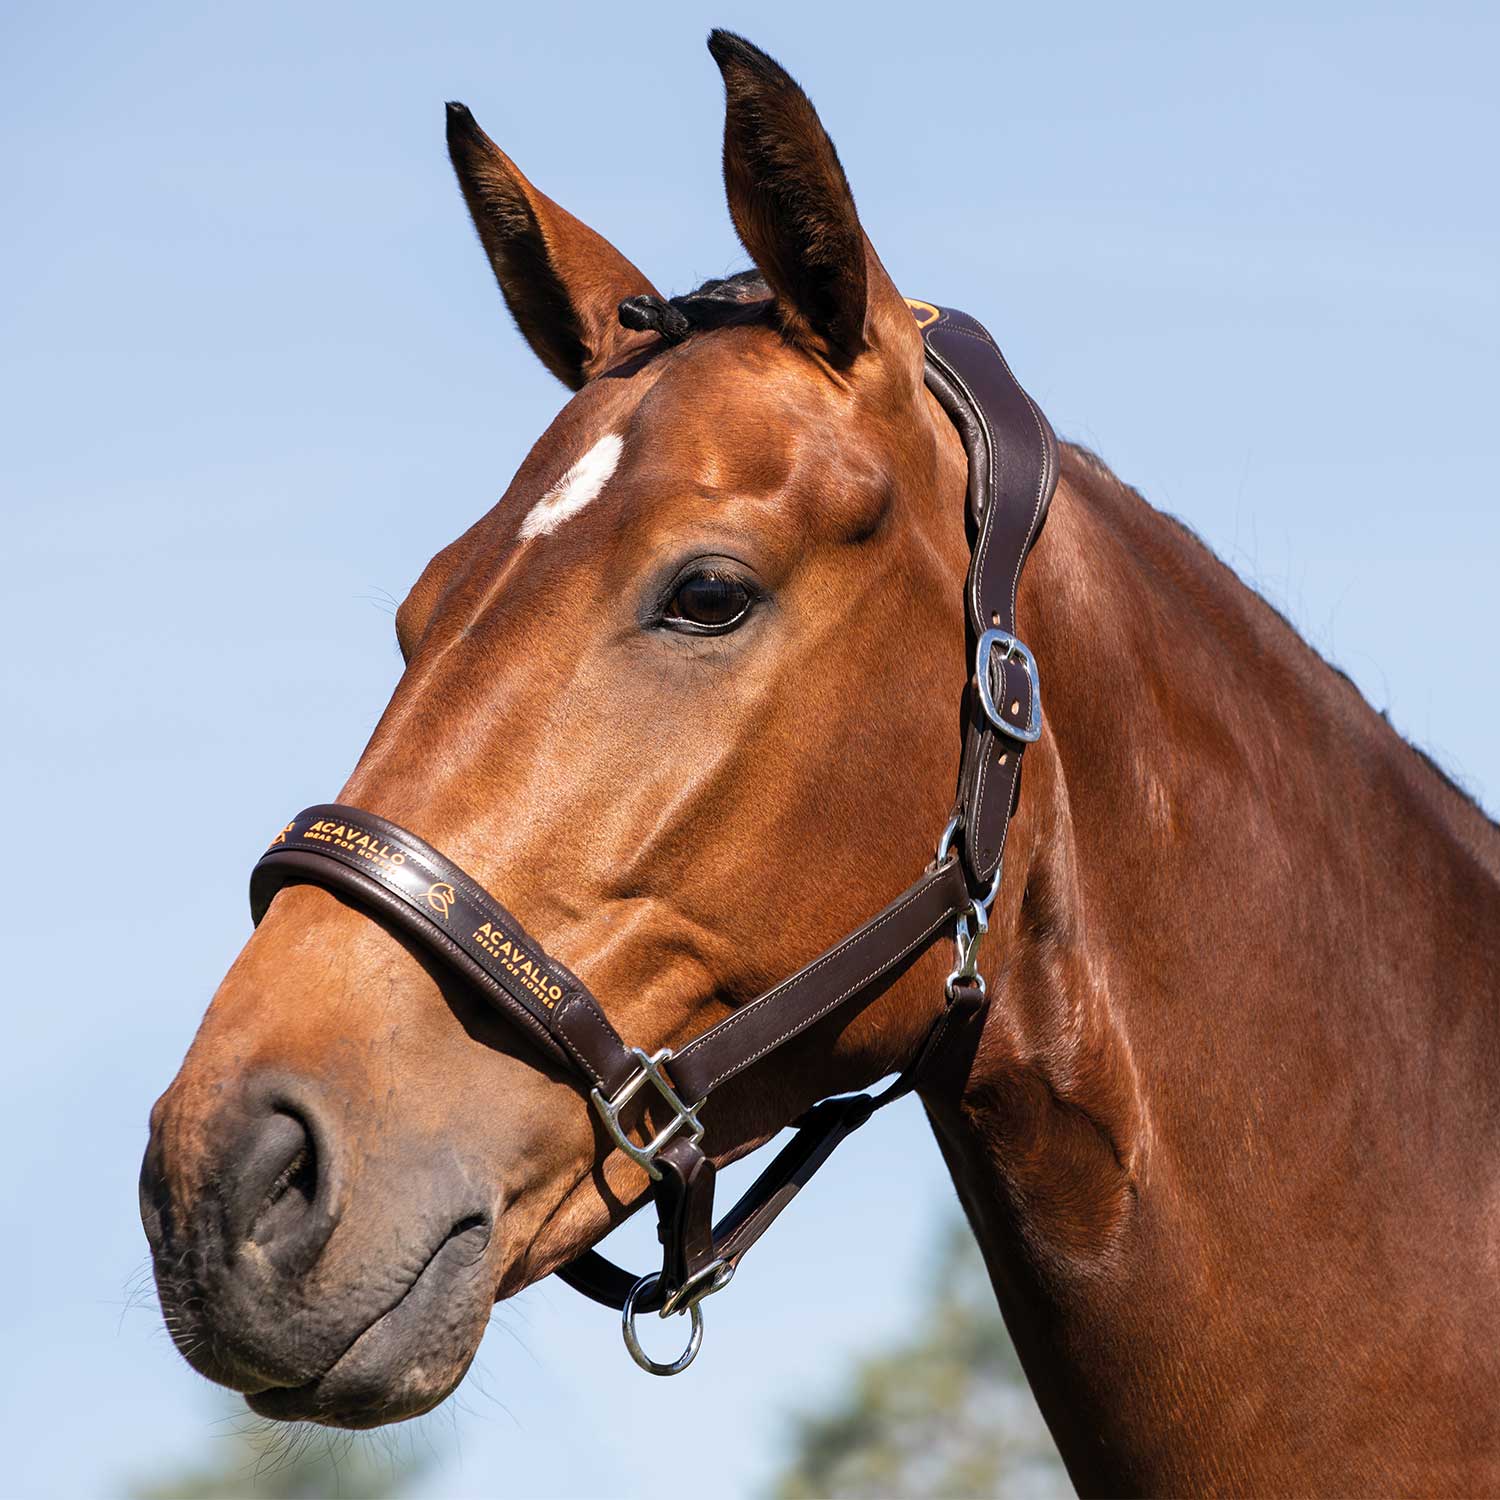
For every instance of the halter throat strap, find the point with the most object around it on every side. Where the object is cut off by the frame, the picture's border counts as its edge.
(406, 883)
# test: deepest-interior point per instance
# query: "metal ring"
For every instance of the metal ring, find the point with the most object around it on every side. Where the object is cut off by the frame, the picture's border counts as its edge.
(944, 848)
(632, 1343)
(988, 899)
(945, 839)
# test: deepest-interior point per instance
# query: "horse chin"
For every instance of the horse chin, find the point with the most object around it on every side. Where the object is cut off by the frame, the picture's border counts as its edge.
(410, 1358)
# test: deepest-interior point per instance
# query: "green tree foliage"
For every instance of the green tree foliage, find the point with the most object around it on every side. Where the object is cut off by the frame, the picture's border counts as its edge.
(296, 1463)
(945, 1413)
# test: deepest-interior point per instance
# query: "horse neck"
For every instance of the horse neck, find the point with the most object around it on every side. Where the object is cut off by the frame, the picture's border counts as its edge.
(1243, 986)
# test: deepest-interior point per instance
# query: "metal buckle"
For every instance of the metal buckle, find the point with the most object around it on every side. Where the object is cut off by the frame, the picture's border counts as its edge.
(1013, 650)
(609, 1111)
(714, 1277)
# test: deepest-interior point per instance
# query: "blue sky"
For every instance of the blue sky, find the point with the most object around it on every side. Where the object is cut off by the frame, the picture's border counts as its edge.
(247, 340)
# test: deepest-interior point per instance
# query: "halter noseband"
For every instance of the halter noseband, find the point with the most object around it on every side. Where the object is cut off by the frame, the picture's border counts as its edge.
(408, 884)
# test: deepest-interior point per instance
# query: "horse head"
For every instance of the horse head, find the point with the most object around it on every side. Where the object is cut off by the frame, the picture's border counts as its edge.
(686, 700)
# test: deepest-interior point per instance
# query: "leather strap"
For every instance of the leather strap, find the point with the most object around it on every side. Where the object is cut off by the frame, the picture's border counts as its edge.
(1012, 474)
(409, 884)
(435, 901)
(819, 1133)
(850, 968)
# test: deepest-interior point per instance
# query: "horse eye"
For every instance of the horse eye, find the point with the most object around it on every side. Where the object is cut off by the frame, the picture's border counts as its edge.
(710, 602)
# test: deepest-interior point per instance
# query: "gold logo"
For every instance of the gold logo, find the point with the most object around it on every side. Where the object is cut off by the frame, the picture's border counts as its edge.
(440, 897)
(924, 312)
(281, 837)
(516, 961)
(354, 840)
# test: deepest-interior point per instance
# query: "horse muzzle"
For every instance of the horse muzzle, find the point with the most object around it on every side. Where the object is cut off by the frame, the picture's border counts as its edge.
(273, 1284)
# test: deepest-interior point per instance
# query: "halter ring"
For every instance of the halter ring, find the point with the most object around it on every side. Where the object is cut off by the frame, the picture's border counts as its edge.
(633, 1344)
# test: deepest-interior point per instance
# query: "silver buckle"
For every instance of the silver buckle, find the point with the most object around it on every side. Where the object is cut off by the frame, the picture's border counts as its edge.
(1013, 650)
(609, 1111)
(714, 1277)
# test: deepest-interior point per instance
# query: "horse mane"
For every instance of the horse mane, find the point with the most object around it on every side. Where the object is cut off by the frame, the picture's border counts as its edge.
(1080, 458)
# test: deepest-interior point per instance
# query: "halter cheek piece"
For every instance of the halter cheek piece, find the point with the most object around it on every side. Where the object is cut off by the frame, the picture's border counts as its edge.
(409, 885)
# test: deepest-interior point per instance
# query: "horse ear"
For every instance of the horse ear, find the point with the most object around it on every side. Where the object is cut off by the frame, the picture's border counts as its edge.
(562, 282)
(794, 213)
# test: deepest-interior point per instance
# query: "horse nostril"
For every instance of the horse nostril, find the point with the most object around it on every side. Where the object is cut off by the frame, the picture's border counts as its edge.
(291, 1195)
(155, 1198)
(276, 1189)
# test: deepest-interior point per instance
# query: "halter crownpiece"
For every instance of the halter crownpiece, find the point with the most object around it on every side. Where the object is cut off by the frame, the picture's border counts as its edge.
(403, 881)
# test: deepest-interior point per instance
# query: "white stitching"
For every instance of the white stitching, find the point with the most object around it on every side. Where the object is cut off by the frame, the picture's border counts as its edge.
(987, 531)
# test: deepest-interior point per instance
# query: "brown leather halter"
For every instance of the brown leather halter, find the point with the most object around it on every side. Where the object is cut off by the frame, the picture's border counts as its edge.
(403, 881)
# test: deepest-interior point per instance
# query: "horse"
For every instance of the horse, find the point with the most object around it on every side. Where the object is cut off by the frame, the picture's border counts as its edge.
(688, 696)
